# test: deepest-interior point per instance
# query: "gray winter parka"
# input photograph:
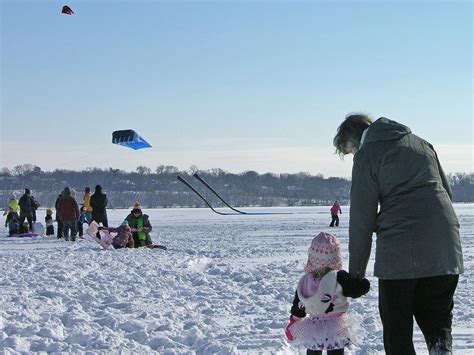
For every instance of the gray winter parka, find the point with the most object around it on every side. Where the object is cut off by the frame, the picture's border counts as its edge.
(417, 229)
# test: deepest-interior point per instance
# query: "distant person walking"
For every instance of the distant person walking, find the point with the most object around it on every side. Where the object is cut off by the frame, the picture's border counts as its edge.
(27, 205)
(98, 203)
(335, 210)
(419, 256)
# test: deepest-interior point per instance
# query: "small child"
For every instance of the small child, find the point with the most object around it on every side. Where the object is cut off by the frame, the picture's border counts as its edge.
(48, 219)
(318, 318)
(123, 239)
(12, 221)
(335, 210)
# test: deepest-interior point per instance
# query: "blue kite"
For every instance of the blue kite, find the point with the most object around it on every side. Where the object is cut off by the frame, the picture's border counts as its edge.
(130, 139)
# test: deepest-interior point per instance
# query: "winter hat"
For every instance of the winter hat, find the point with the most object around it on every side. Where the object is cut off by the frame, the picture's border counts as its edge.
(49, 211)
(27, 191)
(124, 224)
(66, 191)
(87, 189)
(98, 188)
(13, 196)
(137, 206)
(324, 252)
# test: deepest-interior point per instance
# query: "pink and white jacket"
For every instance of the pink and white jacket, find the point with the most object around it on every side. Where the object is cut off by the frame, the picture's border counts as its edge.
(322, 297)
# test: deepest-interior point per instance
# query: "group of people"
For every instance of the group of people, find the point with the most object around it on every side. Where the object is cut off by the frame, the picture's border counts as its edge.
(134, 232)
(418, 256)
(21, 214)
(70, 217)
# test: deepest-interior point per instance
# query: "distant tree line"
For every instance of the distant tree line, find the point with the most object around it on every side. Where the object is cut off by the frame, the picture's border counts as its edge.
(160, 187)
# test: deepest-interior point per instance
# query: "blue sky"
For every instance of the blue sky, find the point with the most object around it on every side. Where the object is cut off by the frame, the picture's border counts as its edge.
(237, 85)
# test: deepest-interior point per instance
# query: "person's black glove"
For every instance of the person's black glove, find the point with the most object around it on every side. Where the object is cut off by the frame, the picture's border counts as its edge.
(100, 228)
(351, 287)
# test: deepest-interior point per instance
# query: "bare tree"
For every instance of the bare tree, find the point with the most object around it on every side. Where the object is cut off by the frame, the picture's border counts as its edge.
(193, 169)
(5, 172)
(143, 170)
(23, 169)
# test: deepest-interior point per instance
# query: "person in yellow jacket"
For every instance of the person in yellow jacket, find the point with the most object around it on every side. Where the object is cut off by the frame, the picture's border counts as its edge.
(86, 215)
(13, 204)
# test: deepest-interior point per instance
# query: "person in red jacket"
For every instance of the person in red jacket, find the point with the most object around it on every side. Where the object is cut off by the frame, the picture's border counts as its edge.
(335, 210)
(69, 214)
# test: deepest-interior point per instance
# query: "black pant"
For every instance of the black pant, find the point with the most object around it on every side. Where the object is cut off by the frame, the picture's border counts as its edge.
(429, 300)
(330, 352)
(141, 243)
(59, 233)
(22, 221)
(50, 230)
(80, 228)
(335, 218)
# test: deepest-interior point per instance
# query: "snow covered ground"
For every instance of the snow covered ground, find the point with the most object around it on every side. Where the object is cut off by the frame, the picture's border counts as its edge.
(224, 286)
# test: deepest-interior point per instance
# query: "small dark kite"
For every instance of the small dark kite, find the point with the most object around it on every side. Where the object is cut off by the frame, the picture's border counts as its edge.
(67, 10)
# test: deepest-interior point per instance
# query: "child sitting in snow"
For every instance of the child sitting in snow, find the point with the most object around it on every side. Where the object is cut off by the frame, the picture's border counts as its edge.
(318, 318)
(12, 221)
(122, 239)
(48, 220)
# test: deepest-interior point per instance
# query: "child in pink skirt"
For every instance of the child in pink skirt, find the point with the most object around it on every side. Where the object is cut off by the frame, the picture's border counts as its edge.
(319, 319)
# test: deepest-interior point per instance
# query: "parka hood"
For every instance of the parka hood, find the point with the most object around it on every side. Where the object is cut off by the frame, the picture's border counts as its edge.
(384, 130)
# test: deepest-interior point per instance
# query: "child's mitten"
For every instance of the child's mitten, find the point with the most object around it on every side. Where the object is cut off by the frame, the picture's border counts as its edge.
(351, 287)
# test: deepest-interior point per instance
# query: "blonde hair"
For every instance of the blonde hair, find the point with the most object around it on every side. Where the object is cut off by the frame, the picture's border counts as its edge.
(350, 132)
(319, 274)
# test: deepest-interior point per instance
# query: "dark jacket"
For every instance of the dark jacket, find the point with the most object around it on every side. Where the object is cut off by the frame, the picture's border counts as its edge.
(27, 205)
(98, 203)
(417, 228)
(133, 223)
(13, 218)
(68, 209)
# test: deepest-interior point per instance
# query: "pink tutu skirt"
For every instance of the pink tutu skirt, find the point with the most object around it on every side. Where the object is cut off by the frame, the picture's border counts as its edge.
(326, 332)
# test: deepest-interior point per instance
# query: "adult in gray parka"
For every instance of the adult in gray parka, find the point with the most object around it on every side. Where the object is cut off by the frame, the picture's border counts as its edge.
(418, 253)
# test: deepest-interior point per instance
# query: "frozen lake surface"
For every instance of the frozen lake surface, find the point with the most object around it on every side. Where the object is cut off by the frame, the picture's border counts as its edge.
(224, 286)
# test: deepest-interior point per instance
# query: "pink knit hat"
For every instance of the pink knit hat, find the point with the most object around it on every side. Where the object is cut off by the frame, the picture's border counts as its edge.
(324, 252)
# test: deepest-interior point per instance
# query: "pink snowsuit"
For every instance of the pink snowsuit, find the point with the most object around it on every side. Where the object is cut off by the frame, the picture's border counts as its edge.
(336, 208)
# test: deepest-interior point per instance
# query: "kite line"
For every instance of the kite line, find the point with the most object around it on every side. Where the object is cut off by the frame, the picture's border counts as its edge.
(214, 191)
(201, 196)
